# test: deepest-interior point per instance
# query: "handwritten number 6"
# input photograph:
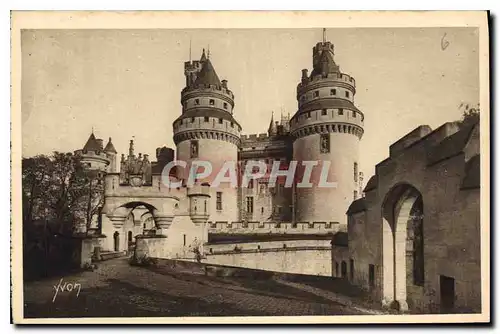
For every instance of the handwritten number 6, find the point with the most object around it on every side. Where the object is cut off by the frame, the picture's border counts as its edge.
(444, 42)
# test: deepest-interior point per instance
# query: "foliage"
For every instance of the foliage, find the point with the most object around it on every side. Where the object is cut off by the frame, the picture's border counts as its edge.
(470, 114)
(59, 191)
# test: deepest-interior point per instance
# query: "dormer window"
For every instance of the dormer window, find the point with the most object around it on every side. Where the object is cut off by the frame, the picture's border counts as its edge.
(212, 102)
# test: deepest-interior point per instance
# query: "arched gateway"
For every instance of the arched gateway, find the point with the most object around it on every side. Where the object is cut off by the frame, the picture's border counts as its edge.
(402, 240)
(136, 201)
(126, 215)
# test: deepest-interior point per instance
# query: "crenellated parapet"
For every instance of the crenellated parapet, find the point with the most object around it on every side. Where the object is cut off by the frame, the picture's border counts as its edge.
(325, 80)
(327, 128)
(271, 227)
(255, 137)
(200, 95)
(197, 134)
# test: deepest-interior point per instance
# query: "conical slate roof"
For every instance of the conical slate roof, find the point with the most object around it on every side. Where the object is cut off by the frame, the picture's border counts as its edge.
(110, 147)
(92, 144)
(207, 75)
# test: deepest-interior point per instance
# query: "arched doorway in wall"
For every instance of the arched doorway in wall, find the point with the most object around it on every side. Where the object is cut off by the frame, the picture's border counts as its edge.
(402, 244)
(116, 241)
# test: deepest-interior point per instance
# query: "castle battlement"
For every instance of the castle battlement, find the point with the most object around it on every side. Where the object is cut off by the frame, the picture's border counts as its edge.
(340, 77)
(255, 137)
(97, 154)
(206, 88)
(271, 227)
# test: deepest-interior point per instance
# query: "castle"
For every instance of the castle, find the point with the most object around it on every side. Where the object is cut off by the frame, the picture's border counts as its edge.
(395, 238)
(326, 126)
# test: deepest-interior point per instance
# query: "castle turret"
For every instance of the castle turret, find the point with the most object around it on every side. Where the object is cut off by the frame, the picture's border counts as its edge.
(206, 130)
(327, 129)
(92, 155)
(111, 154)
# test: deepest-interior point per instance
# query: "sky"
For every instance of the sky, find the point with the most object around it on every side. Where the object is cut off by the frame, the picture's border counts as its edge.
(126, 84)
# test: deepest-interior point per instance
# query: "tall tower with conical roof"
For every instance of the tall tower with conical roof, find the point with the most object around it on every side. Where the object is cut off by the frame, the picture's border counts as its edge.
(206, 130)
(327, 129)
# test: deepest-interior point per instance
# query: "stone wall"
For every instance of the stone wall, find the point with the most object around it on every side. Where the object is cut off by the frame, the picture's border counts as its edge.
(451, 224)
(296, 257)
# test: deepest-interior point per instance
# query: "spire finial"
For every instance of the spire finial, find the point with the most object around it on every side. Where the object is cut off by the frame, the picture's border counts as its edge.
(324, 35)
(190, 49)
(131, 147)
(203, 56)
(92, 129)
(208, 52)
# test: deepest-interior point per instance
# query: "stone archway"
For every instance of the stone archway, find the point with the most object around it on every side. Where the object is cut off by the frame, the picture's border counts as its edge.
(402, 244)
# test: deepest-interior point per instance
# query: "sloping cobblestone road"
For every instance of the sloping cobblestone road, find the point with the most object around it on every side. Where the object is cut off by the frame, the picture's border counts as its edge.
(117, 289)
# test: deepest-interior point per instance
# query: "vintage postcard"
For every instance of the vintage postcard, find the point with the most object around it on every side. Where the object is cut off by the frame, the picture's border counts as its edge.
(250, 167)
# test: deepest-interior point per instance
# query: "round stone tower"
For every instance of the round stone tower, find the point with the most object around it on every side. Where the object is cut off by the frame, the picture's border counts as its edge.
(207, 131)
(327, 129)
(93, 156)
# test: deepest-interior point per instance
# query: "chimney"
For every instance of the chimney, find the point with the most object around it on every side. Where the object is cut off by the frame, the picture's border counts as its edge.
(304, 73)
(224, 83)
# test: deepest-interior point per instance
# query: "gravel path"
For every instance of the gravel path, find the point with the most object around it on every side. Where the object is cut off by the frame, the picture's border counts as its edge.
(117, 289)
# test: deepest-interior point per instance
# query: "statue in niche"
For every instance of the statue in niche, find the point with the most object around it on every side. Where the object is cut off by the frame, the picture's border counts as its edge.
(194, 149)
(325, 143)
